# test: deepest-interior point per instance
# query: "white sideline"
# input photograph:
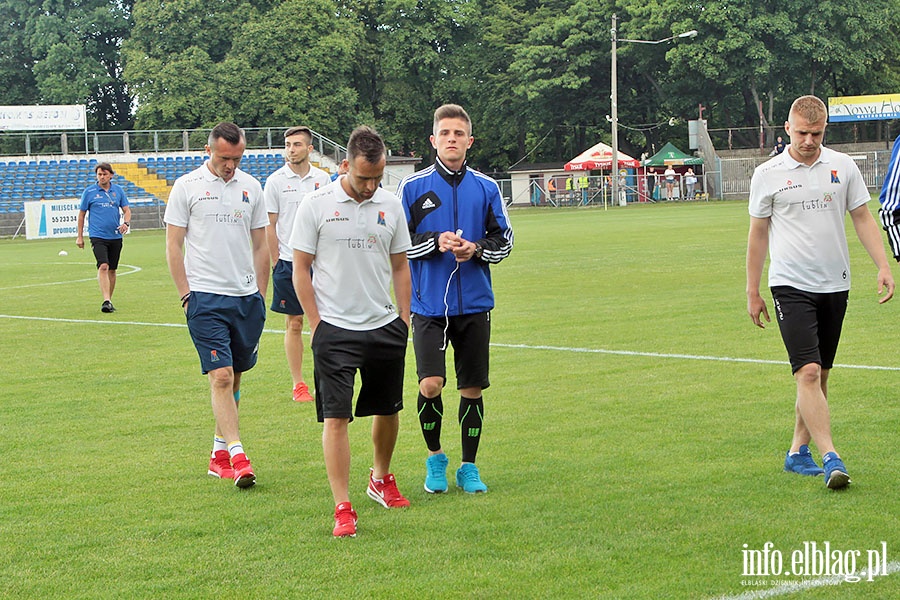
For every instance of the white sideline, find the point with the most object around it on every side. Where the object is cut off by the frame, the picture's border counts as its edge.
(495, 345)
(119, 273)
(784, 589)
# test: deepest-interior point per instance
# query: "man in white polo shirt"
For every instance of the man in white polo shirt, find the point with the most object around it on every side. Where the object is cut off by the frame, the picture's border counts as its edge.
(798, 200)
(285, 190)
(354, 234)
(214, 216)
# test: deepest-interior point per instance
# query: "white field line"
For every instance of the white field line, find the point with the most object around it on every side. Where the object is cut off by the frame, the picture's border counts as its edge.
(119, 273)
(567, 349)
(791, 587)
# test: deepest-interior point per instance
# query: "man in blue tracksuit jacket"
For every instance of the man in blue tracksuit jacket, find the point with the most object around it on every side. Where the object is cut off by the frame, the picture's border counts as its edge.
(890, 201)
(459, 226)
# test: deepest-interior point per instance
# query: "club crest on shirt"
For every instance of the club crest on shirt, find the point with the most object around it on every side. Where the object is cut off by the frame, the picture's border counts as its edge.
(246, 196)
(834, 177)
(381, 220)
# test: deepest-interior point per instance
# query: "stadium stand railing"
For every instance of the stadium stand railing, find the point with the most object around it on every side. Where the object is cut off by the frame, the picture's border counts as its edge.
(147, 181)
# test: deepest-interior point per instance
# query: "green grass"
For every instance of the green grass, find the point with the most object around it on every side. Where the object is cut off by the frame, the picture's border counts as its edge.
(621, 462)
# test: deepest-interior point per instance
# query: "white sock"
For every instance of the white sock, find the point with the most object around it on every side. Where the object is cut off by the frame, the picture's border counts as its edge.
(235, 448)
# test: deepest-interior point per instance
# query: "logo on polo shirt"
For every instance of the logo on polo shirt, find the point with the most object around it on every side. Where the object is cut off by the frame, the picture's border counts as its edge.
(246, 196)
(789, 185)
(337, 217)
(834, 177)
(381, 218)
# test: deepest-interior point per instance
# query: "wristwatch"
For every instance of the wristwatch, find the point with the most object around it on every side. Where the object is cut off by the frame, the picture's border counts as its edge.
(479, 250)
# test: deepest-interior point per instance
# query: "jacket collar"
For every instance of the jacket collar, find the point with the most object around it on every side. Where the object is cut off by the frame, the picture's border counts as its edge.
(452, 177)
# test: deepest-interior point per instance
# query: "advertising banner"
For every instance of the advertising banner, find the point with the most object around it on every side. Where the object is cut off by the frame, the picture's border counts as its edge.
(876, 107)
(52, 219)
(42, 118)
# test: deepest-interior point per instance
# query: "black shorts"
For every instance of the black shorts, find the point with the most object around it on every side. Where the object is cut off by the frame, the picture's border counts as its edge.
(380, 357)
(107, 252)
(810, 324)
(284, 297)
(470, 336)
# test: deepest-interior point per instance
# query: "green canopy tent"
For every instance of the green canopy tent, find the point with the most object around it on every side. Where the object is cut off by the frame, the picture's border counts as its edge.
(670, 155)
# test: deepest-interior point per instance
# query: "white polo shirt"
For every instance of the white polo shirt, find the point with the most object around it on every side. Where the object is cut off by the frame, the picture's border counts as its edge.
(218, 256)
(806, 206)
(352, 243)
(284, 192)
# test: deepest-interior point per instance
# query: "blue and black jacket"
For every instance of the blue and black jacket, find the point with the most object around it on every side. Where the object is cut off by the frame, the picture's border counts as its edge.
(890, 201)
(436, 200)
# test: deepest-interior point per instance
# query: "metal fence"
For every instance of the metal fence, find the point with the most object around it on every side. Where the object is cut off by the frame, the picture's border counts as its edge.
(32, 143)
(736, 172)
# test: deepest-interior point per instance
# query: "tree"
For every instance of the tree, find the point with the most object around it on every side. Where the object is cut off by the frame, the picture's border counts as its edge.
(70, 52)
(293, 65)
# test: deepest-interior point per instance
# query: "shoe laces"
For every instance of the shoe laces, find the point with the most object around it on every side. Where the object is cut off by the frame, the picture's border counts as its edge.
(436, 467)
(389, 488)
(469, 473)
(344, 517)
(806, 460)
(222, 459)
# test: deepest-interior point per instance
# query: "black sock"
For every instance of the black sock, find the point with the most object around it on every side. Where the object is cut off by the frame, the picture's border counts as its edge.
(471, 415)
(431, 411)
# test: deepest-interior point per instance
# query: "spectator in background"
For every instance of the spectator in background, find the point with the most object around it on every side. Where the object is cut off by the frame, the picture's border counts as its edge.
(285, 190)
(690, 181)
(110, 217)
(669, 177)
(780, 145)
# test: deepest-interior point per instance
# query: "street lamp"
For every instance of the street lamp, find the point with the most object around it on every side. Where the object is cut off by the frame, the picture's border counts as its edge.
(614, 97)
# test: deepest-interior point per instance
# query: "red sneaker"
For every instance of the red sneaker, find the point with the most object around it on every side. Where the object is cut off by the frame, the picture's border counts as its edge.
(243, 472)
(386, 493)
(220, 465)
(301, 393)
(344, 520)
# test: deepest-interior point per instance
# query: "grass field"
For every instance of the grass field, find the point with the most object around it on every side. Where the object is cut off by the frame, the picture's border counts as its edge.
(633, 443)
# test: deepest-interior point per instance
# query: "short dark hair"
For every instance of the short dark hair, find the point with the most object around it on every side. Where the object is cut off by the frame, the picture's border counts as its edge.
(104, 166)
(365, 142)
(227, 131)
(297, 130)
(451, 111)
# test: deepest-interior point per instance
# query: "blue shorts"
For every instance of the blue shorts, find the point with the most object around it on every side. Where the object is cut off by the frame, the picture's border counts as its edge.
(284, 297)
(226, 329)
(380, 357)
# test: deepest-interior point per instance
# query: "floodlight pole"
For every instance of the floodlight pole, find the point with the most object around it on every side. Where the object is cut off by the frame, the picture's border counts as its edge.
(614, 97)
(614, 113)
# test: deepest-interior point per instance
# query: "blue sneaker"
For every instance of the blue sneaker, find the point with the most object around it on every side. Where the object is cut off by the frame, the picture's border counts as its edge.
(802, 462)
(835, 472)
(436, 479)
(468, 479)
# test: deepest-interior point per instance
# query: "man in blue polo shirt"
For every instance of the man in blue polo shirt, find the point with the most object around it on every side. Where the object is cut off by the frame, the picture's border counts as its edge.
(107, 204)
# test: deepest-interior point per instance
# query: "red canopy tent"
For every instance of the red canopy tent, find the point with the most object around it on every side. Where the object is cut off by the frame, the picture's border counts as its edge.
(599, 156)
